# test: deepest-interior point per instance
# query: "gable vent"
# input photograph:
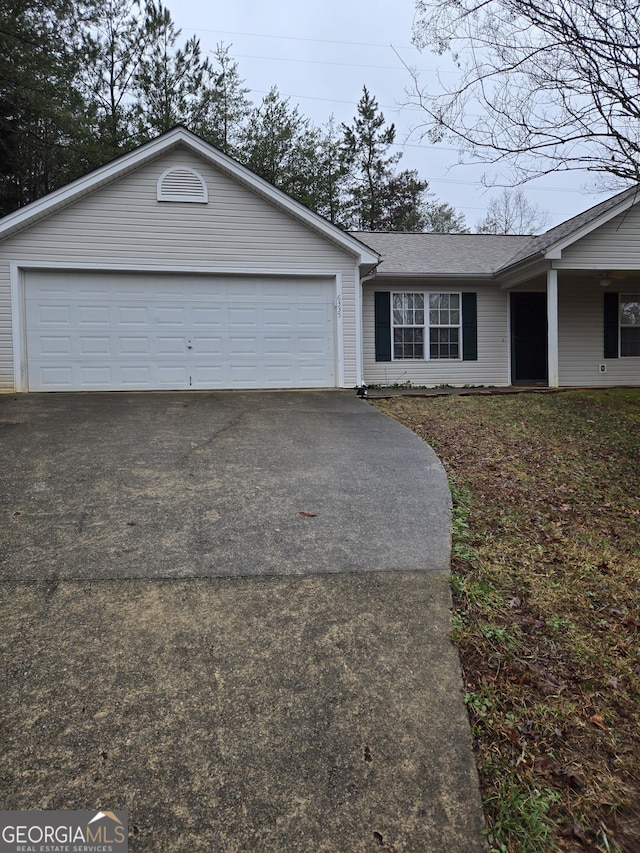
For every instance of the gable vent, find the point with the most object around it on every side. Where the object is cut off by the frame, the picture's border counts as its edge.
(180, 183)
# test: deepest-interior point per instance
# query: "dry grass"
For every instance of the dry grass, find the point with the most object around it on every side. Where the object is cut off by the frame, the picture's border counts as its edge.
(546, 578)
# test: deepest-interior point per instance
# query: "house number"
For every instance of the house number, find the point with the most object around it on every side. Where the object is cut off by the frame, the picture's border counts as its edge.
(339, 305)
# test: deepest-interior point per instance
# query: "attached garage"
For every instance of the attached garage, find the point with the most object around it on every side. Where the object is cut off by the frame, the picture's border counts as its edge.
(174, 268)
(88, 331)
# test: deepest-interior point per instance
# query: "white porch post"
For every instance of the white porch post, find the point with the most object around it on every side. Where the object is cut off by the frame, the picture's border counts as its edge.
(552, 328)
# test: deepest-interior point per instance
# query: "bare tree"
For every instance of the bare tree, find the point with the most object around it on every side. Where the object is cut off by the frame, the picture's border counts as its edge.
(542, 86)
(512, 213)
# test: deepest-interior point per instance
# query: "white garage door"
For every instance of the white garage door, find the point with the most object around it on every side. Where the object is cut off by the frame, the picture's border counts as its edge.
(115, 331)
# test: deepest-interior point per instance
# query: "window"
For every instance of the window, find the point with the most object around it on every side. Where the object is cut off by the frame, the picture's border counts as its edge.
(630, 324)
(408, 325)
(420, 317)
(444, 325)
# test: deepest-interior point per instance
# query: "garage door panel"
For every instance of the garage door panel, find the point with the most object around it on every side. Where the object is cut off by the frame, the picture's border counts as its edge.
(93, 315)
(96, 376)
(94, 345)
(133, 331)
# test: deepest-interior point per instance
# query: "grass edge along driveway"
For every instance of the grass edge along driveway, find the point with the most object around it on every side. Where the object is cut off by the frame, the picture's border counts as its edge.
(546, 581)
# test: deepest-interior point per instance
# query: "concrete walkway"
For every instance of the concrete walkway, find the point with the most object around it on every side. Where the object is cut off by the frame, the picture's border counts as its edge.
(229, 615)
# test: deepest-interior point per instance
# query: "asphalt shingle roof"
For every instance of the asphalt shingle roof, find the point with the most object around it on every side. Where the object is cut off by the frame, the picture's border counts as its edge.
(441, 254)
(474, 254)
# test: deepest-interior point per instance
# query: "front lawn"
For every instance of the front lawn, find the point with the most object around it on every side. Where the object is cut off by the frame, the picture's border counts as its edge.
(546, 581)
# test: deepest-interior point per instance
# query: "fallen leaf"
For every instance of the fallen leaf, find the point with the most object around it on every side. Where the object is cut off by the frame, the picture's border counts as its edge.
(307, 514)
(598, 720)
(534, 623)
(515, 602)
(574, 831)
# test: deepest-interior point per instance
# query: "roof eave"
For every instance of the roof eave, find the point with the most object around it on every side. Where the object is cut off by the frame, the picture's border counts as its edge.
(486, 277)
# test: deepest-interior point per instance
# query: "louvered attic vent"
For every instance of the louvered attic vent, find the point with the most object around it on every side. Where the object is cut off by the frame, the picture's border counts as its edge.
(180, 183)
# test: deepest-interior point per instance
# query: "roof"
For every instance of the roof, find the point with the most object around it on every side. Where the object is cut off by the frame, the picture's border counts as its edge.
(572, 229)
(485, 255)
(442, 254)
(172, 139)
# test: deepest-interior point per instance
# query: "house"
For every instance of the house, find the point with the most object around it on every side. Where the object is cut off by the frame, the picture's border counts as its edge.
(174, 267)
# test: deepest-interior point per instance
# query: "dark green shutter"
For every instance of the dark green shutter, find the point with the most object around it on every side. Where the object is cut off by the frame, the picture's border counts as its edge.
(469, 327)
(610, 325)
(383, 325)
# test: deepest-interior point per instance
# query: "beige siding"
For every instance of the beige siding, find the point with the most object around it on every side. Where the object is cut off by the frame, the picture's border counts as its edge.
(123, 224)
(612, 246)
(491, 368)
(581, 339)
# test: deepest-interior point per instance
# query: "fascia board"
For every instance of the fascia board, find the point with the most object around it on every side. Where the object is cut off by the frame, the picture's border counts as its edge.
(431, 276)
(522, 272)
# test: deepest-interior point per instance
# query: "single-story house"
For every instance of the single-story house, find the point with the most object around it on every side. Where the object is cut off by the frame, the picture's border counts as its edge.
(174, 267)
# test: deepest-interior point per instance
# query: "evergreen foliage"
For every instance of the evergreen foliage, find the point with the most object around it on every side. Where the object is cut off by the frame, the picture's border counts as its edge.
(83, 81)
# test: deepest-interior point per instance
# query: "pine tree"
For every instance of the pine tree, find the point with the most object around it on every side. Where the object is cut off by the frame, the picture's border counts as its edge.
(168, 84)
(45, 133)
(366, 151)
(222, 110)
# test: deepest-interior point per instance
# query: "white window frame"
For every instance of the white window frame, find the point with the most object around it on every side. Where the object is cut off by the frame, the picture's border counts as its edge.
(426, 326)
(623, 299)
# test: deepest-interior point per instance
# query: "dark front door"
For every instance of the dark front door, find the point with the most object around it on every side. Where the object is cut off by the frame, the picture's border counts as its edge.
(529, 364)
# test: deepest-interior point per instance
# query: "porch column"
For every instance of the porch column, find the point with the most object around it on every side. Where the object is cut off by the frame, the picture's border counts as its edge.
(552, 328)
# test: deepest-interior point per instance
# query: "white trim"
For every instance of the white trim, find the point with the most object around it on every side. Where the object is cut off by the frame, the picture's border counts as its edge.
(339, 329)
(106, 267)
(17, 270)
(552, 328)
(427, 327)
(18, 332)
(163, 144)
(508, 340)
(359, 332)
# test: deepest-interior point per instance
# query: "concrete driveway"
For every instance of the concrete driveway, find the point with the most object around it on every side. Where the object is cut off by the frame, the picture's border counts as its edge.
(228, 614)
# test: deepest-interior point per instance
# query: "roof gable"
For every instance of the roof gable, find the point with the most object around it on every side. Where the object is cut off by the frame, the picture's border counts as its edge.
(180, 136)
(552, 242)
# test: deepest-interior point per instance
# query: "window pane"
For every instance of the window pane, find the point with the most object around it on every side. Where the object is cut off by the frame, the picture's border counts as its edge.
(408, 343)
(630, 310)
(630, 341)
(444, 309)
(408, 309)
(444, 343)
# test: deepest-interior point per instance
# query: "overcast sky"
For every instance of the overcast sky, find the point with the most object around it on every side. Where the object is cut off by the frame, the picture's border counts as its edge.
(320, 54)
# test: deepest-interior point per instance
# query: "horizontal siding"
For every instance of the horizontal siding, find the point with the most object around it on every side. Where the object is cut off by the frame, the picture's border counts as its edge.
(491, 368)
(124, 224)
(614, 245)
(581, 340)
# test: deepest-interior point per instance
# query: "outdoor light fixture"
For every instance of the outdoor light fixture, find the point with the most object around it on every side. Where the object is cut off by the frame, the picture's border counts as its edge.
(605, 282)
